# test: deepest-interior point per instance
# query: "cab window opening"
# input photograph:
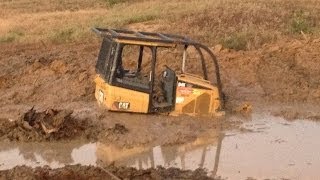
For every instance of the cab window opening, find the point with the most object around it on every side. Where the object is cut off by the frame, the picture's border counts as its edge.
(134, 66)
(102, 61)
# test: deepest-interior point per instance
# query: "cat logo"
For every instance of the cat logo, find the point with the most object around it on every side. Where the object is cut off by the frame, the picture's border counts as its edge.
(121, 105)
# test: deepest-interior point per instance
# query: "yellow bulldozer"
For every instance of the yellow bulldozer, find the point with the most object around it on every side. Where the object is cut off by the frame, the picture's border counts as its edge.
(130, 78)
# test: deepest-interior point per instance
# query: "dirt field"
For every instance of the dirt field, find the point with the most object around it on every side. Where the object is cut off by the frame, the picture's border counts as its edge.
(266, 61)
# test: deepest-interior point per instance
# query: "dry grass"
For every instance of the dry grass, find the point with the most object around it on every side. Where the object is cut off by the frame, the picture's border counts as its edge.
(17, 7)
(237, 24)
(247, 24)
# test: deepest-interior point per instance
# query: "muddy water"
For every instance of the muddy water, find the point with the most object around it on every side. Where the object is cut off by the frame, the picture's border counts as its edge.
(265, 147)
(54, 155)
(274, 149)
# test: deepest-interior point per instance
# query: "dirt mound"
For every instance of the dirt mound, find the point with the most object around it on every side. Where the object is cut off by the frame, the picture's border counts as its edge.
(90, 172)
(47, 76)
(46, 126)
(46, 122)
(285, 72)
(291, 75)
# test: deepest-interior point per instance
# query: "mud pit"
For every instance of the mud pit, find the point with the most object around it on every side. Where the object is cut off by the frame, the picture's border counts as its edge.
(61, 77)
(227, 154)
(285, 76)
(118, 130)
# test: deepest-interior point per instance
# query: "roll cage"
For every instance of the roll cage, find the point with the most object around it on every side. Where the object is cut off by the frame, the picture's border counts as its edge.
(163, 40)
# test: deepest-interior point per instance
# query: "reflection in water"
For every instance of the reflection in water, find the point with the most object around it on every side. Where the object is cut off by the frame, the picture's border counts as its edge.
(55, 154)
(202, 153)
(266, 148)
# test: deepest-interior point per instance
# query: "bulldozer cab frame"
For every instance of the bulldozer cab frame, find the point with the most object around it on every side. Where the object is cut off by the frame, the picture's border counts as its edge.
(111, 71)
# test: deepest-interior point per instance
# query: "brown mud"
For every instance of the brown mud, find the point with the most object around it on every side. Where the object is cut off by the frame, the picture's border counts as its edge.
(46, 76)
(297, 112)
(109, 128)
(91, 172)
(49, 125)
(231, 155)
(286, 72)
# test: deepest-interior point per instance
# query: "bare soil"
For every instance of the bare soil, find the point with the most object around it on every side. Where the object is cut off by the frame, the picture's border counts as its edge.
(57, 81)
(285, 72)
(60, 77)
(90, 172)
(49, 125)
(46, 76)
(111, 128)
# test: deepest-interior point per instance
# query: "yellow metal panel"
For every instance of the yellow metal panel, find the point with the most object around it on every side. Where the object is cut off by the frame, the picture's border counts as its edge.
(120, 99)
(189, 97)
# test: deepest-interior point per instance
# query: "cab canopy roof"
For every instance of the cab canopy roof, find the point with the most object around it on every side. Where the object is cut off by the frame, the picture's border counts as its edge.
(143, 38)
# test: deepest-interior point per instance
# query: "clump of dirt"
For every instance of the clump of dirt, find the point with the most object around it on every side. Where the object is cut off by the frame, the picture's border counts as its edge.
(91, 172)
(47, 122)
(117, 134)
(118, 129)
(47, 125)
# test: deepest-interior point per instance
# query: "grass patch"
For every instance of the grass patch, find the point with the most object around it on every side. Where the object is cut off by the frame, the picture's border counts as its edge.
(140, 18)
(248, 40)
(120, 20)
(300, 22)
(11, 36)
(114, 2)
(65, 35)
(236, 41)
